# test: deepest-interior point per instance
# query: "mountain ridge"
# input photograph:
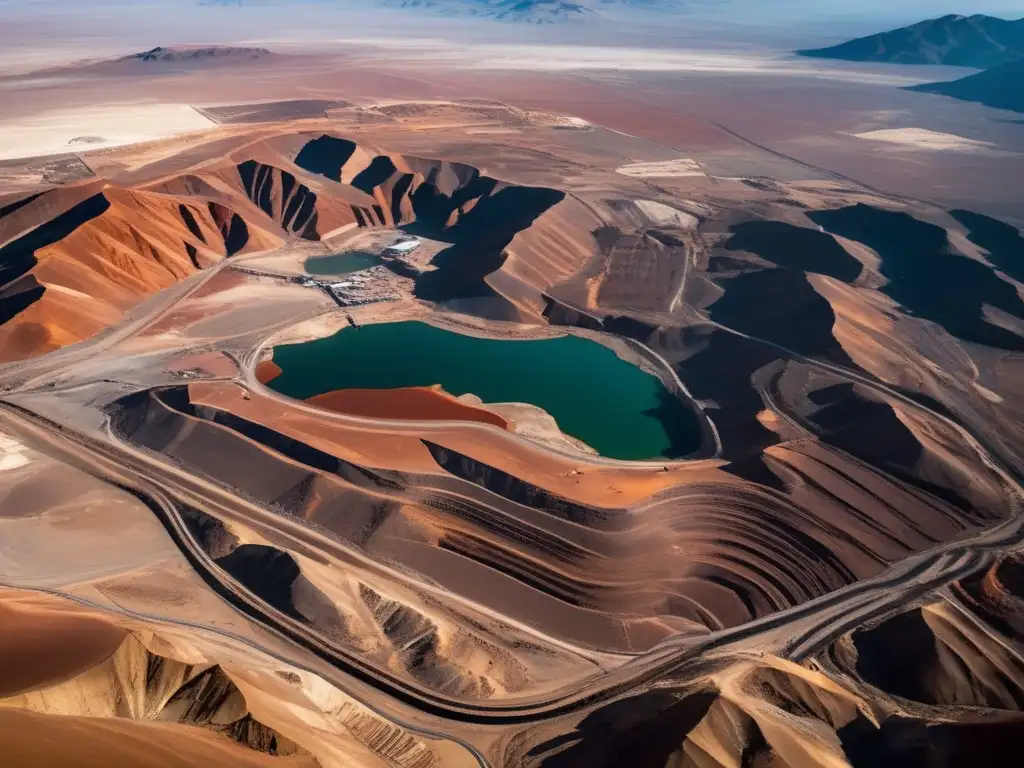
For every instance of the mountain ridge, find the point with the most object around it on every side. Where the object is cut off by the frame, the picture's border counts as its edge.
(519, 11)
(1001, 87)
(977, 41)
(531, 11)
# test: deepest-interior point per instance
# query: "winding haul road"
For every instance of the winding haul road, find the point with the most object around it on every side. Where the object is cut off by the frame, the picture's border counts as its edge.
(795, 633)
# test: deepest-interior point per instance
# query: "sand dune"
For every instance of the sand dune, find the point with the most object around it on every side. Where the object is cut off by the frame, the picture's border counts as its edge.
(34, 640)
(35, 740)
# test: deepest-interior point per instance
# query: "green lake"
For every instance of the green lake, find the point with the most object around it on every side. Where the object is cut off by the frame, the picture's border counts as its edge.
(341, 263)
(611, 405)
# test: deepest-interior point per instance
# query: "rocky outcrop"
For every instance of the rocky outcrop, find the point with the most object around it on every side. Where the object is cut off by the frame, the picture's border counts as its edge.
(74, 273)
(477, 214)
(218, 52)
(94, 250)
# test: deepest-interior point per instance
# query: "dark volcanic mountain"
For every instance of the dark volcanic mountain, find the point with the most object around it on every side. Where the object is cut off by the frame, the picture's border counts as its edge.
(215, 52)
(1001, 87)
(175, 59)
(961, 41)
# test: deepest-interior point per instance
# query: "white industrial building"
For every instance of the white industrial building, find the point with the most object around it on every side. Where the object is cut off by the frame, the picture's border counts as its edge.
(401, 248)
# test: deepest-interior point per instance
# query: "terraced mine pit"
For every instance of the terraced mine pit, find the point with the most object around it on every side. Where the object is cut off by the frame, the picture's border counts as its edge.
(618, 469)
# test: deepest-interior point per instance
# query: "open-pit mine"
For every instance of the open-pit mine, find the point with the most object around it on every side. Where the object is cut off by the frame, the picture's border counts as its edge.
(439, 433)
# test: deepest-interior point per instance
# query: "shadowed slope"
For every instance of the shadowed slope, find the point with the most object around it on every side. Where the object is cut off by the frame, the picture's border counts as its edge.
(1005, 244)
(998, 87)
(451, 202)
(18, 295)
(791, 313)
(103, 255)
(325, 156)
(927, 277)
(18, 257)
(795, 248)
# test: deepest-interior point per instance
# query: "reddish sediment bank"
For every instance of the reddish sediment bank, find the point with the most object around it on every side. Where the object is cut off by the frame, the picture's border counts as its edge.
(413, 403)
(267, 371)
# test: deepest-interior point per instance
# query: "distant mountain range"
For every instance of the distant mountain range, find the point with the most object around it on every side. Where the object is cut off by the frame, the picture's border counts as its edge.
(962, 41)
(1001, 87)
(529, 11)
(533, 11)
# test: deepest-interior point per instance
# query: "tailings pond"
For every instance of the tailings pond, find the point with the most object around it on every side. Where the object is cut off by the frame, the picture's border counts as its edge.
(341, 263)
(613, 406)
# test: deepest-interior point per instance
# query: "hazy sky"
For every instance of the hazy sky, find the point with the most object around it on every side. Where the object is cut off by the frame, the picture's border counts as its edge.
(35, 31)
(766, 9)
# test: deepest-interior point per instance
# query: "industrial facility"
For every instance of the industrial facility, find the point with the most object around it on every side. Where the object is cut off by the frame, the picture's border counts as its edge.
(401, 248)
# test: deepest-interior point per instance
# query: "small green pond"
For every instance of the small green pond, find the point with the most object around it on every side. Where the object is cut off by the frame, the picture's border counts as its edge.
(341, 263)
(610, 404)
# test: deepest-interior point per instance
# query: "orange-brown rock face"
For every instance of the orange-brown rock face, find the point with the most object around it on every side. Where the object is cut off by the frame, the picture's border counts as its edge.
(76, 258)
(101, 255)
